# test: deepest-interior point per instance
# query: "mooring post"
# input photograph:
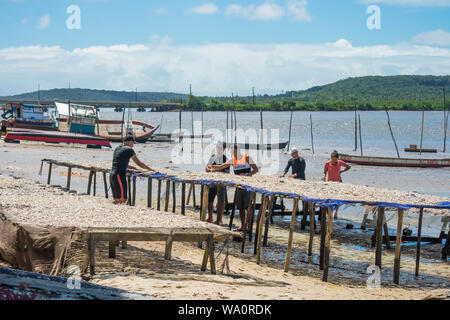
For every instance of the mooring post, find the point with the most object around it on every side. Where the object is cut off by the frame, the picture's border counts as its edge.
(149, 192)
(166, 204)
(174, 199)
(312, 220)
(379, 236)
(49, 178)
(183, 199)
(158, 200)
(105, 183)
(69, 177)
(250, 211)
(291, 236)
(261, 216)
(326, 260)
(419, 239)
(398, 247)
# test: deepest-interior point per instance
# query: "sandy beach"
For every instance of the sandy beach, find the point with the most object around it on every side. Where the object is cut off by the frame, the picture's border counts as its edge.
(142, 268)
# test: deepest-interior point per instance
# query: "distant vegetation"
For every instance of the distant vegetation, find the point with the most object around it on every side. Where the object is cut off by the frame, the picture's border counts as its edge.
(364, 93)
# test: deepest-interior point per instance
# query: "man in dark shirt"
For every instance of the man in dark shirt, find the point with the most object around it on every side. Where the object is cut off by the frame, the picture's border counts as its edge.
(298, 165)
(121, 159)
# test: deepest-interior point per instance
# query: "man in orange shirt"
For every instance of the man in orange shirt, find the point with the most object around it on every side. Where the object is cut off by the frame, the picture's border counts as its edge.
(333, 168)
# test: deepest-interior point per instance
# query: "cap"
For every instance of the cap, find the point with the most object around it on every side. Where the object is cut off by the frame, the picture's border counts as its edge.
(129, 137)
(294, 150)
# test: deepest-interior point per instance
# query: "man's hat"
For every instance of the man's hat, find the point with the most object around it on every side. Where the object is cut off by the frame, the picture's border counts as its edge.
(129, 137)
(294, 150)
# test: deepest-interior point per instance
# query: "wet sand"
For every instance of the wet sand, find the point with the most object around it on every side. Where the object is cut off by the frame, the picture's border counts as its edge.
(142, 267)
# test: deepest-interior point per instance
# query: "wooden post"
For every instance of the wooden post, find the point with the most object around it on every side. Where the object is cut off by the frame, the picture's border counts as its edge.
(323, 222)
(91, 254)
(356, 129)
(112, 250)
(360, 135)
(183, 199)
(129, 200)
(95, 183)
(202, 188)
(261, 216)
(49, 178)
(421, 131)
(312, 220)
(326, 260)
(166, 203)
(174, 196)
(158, 204)
(398, 247)
(247, 222)
(105, 184)
(304, 213)
(291, 236)
(91, 173)
(189, 193)
(233, 210)
(392, 134)
(379, 236)
(387, 241)
(194, 203)
(69, 178)
(134, 192)
(212, 260)
(149, 192)
(204, 203)
(124, 244)
(419, 239)
(168, 250)
(266, 227)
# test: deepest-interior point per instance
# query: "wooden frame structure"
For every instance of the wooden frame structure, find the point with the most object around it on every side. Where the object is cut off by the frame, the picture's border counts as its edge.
(264, 215)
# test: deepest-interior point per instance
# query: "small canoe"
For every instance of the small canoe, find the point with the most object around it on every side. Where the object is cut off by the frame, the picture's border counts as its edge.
(396, 162)
(255, 146)
(55, 137)
(413, 148)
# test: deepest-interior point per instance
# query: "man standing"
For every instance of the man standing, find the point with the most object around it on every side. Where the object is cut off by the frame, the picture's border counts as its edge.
(242, 165)
(121, 159)
(215, 189)
(298, 165)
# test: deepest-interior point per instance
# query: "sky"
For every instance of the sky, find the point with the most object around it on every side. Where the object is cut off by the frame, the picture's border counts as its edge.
(220, 47)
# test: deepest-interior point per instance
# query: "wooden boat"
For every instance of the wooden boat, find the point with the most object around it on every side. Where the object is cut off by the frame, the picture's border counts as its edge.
(255, 146)
(55, 137)
(413, 148)
(28, 117)
(25, 285)
(396, 162)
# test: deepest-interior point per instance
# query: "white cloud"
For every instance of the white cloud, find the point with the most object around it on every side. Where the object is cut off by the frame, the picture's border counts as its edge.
(161, 10)
(267, 11)
(206, 8)
(44, 22)
(414, 3)
(213, 69)
(436, 37)
(297, 10)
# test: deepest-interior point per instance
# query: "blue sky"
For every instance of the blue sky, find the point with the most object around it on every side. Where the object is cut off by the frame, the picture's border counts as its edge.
(219, 46)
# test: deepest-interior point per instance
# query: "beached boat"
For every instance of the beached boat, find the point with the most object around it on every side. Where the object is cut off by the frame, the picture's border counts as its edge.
(396, 162)
(55, 137)
(413, 148)
(28, 117)
(255, 146)
(85, 119)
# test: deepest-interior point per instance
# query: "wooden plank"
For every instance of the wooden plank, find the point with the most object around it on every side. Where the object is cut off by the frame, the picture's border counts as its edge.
(166, 203)
(326, 260)
(291, 236)
(158, 204)
(149, 192)
(250, 211)
(312, 218)
(69, 178)
(419, 239)
(379, 236)
(261, 216)
(398, 246)
(112, 250)
(266, 227)
(105, 184)
(49, 177)
(183, 199)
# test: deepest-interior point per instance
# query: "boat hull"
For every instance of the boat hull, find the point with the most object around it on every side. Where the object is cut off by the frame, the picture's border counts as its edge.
(55, 137)
(34, 125)
(396, 162)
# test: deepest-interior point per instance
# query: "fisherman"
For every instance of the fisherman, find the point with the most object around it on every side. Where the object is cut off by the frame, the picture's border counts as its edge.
(215, 189)
(3, 130)
(333, 168)
(243, 165)
(121, 159)
(298, 165)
